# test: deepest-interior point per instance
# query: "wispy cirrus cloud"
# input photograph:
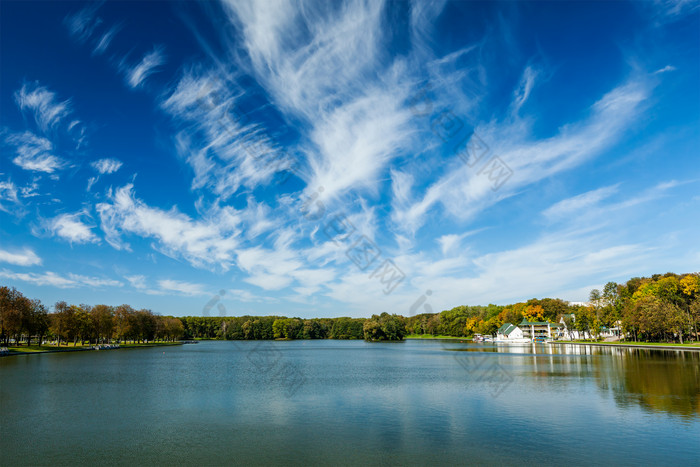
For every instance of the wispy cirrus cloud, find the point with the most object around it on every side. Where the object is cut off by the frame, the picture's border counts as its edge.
(72, 228)
(224, 151)
(103, 167)
(207, 242)
(106, 166)
(464, 192)
(167, 286)
(83, 23)
(8, 192)
(105, 40)
(182, 287)
(97, 282)
(53, 279)
(590, 207)
(520, 95)
(43, 104)
(24, 257)
(137, 281)
(34, 153)
(149, 64)
(333, 77)
(576, 204)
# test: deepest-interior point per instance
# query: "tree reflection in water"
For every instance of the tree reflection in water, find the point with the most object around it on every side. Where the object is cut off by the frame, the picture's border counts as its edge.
(657, 380)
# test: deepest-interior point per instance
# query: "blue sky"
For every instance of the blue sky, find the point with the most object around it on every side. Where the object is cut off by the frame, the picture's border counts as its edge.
(317, 159)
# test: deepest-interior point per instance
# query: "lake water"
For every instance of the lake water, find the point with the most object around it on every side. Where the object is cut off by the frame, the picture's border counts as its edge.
(351, 402)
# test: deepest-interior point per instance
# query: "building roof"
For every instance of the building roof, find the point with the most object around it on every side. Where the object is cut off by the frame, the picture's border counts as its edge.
(525, 322)
(506, 329)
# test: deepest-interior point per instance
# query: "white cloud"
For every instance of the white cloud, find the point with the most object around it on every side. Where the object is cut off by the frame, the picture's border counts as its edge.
(282, 265)
(182, 287)
(523, 92)
(464, 191)
(56, 280)
(137, 281)
(450, 243)
(579, 204)
(29, 191)
(94, 281)
(26, 257)
(106, 166)
(91, 181)
(43, 104)
(225, 150)
(82, 24)
(34, 153)
(8, 192)
(207, 242)
(70, 227)
(104, 40)
(665, 69)
(147, 66)
(356, 141)
(333, 78)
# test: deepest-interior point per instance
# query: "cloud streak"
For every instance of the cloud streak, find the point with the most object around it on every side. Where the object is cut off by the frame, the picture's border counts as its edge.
(50, 278)
(71, 227)
(34, 153)
(25, 257)
(204, 243)
(149, 64)
(106, 166)
(43, 104)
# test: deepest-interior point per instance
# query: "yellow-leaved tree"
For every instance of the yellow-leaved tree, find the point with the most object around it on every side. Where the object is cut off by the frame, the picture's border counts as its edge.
(534, 313)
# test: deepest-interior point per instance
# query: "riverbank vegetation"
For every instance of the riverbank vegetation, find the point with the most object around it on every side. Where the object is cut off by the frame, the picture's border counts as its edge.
(660, 308)
(24, 321)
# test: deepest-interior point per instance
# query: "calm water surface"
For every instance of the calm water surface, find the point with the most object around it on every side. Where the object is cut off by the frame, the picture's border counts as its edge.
(350, 402)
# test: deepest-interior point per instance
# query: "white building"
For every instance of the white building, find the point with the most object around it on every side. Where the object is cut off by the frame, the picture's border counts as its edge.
(510, 333)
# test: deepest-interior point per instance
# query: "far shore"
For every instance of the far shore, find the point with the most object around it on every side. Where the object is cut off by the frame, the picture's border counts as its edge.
(694, 347)
(42, 349)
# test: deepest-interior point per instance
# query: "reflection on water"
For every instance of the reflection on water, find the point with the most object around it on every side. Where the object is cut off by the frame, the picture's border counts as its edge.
(413, 403)
(662, 381)
(666, 381)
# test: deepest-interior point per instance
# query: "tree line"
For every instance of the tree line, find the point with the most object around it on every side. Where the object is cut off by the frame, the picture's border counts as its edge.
(24, 320)
(651, 309)
(657, 308)
(383, 327)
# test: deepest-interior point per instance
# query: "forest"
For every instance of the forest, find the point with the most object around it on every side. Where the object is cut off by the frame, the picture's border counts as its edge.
(660, 308)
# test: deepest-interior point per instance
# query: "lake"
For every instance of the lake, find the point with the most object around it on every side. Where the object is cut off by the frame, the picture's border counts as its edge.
(351, 402)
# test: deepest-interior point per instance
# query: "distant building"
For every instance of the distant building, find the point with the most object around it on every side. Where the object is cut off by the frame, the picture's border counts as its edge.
(557, 330)
(509, 332)
(535, 329)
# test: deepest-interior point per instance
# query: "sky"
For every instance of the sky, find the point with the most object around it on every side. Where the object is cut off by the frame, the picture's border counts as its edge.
(322, 159)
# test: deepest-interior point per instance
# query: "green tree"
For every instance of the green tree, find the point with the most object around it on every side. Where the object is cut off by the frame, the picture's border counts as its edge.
(102, 317)
(384, 327)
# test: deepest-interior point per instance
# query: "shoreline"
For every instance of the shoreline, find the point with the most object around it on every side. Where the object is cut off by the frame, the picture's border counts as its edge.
(13, 353)
(692, 348)
(634, 346)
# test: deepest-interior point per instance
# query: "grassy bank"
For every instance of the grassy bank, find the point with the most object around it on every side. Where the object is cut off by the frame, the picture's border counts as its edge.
(50, 348)
(430, 336)
(660, 344)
